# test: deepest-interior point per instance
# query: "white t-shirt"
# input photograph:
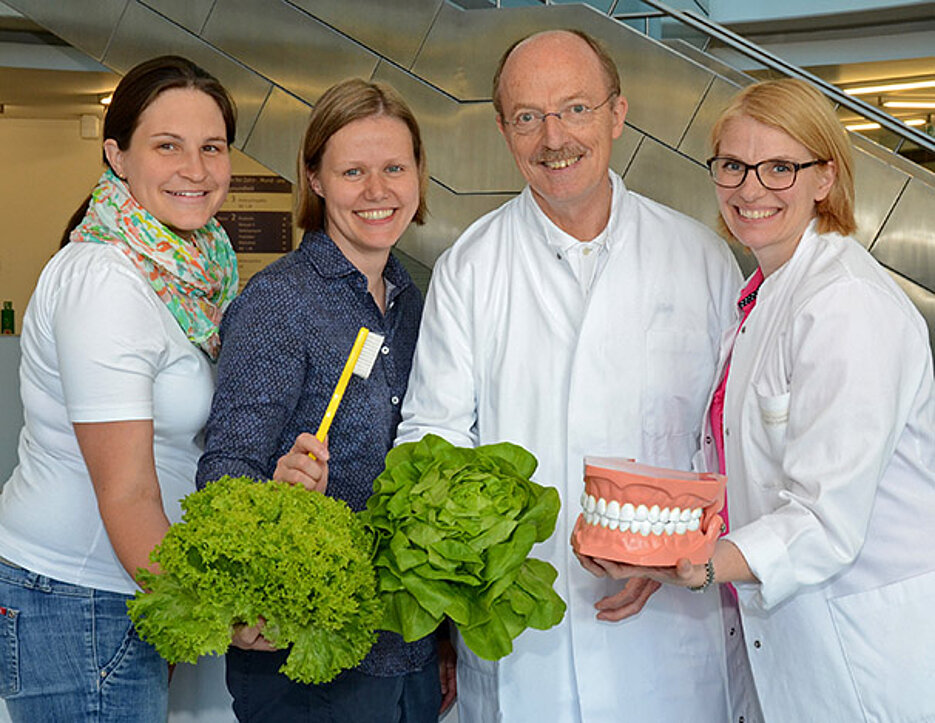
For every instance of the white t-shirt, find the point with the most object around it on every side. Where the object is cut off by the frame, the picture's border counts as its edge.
(97, 346)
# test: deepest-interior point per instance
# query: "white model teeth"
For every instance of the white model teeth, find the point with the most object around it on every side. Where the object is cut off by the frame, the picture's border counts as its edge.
(751, 213)
(564, 163)
(377, 215)
(640, 520)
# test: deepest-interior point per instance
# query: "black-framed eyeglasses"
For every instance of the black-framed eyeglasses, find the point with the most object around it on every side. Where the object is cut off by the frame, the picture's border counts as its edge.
(775, 174)
(573, 114)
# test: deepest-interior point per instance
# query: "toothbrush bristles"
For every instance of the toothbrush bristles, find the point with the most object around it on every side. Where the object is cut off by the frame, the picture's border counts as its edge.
(368, 355)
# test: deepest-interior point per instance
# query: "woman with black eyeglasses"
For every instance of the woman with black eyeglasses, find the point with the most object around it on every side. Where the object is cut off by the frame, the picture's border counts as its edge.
(824, 421)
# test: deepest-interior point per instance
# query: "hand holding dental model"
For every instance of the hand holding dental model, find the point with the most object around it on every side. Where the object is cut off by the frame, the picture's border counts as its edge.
(639, 521)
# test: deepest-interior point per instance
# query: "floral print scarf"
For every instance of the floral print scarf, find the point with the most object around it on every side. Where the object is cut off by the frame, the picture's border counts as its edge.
(196, 279)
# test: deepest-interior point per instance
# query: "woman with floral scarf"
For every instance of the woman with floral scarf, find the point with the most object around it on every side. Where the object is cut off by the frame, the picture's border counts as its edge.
(118, 347)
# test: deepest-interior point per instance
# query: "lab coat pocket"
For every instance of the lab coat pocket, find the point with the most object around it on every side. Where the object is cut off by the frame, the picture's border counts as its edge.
(774, 416)
(887, 638)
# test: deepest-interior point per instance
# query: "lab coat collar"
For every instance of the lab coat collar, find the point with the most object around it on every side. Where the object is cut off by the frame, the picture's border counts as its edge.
(557, 240)
(788, 270)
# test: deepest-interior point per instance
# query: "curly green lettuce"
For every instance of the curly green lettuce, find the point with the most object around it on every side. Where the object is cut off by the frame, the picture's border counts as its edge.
(454, 527)
(246, 550)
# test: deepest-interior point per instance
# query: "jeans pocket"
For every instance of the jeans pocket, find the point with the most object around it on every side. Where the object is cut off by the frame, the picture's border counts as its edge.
(9, 652)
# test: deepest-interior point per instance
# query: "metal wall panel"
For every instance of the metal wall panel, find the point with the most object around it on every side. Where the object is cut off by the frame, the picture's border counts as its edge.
(670, 178)
(695, 144)
(464, 147)
(906, 243)
(190, 14)
(877, 186)
(142, 34)
(662, 87)
(278, 133)
(395, 30)
(449, 216)
(87, 25)
(287, 46)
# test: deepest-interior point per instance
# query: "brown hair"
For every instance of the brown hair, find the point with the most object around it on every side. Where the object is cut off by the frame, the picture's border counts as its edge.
(137, 90)
(342, 104)
(609, 68)
(800, 110)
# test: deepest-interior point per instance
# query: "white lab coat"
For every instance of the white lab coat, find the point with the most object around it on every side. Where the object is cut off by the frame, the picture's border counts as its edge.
(829, 420)
(510, 349)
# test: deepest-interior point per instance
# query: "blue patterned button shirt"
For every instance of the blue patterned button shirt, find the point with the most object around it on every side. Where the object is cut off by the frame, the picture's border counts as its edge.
(285, 339)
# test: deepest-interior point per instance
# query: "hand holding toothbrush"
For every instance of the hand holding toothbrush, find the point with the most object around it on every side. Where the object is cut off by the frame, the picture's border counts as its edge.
(305, 464)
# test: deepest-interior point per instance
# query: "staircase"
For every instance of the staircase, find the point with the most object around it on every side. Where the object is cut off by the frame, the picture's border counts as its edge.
(278, 56)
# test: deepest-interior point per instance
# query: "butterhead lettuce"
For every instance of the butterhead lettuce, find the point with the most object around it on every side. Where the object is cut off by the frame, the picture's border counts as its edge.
(454, 527)
(246, 550)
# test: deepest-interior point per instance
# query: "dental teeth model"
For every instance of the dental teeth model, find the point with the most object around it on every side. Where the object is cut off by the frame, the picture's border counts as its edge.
(644, 515)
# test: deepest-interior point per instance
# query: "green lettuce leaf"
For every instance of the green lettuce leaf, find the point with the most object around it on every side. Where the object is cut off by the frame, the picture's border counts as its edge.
(454, 528)
(246, 550)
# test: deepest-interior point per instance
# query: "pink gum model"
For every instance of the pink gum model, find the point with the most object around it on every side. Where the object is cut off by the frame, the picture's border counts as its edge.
(650, 516)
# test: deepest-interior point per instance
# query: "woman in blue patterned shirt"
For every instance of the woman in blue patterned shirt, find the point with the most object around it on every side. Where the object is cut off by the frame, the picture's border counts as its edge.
(362, 181)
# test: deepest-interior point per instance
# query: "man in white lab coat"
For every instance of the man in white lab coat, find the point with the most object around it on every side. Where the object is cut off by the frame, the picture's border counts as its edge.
(580, 318)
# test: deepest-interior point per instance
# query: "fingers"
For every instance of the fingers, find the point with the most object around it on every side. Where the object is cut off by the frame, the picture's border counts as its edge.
(628, 602)
(297, 467)
(447, 658)
(591, 565)
(250, 637)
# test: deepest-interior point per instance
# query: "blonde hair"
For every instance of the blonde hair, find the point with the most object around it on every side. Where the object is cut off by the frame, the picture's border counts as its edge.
(342, 104)
(799, 110)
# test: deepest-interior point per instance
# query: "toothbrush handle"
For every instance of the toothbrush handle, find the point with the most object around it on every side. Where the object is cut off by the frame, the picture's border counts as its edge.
(341, 385)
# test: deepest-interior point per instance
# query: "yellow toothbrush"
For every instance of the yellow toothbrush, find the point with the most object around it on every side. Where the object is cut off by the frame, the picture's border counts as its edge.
(359, 363)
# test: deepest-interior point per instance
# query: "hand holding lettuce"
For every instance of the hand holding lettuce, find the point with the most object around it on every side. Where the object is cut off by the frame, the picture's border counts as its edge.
(454, 529)
(244, 550)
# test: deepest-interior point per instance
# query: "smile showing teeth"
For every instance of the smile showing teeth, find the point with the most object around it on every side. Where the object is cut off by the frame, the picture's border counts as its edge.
(189, 194)
(754, 214)
(376, 214)
(560, 164)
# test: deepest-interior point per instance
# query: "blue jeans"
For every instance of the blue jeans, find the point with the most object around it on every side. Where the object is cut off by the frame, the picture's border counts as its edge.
(264, 695)
(69, 653)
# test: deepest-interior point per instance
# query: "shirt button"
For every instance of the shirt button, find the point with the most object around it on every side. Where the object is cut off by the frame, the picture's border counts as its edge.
(733, 631)
(586, 251)
(707, 439)
(385, 350)
(743, 330)
(395, 399)
(757, 644)
(726, 432)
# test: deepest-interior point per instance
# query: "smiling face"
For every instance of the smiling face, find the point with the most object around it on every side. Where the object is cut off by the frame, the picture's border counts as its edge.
(177, 165)
(369, 180)
(566, 167)
(769, 223)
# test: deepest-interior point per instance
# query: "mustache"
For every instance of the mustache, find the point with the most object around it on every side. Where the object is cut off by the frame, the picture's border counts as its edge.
(551, 155)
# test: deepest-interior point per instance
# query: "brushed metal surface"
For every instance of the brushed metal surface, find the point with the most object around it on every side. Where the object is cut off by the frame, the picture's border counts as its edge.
(449, 216)
(394, 30)
(877, 186)
(87, 26)
(278, 133)
(668, 177)
(662, 87)
(286, 45)
(142, 34)
(190, 14)
(694, 143)
(464, 147)
(906, 244)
